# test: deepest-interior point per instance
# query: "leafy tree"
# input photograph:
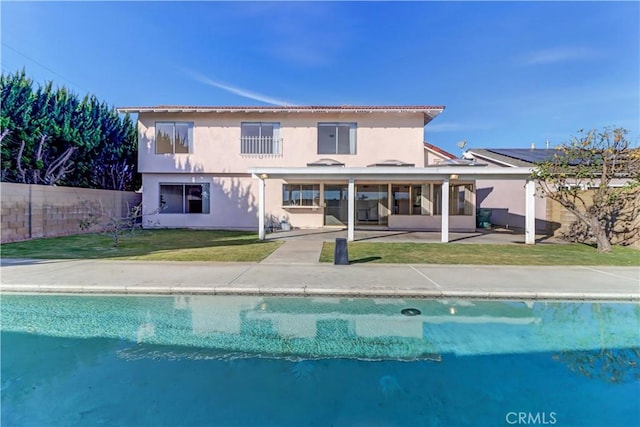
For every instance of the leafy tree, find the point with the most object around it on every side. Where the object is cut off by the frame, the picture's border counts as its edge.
(603, 162)
(50, 136)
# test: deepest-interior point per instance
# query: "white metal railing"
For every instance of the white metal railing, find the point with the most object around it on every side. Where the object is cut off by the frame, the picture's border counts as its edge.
(261, 146)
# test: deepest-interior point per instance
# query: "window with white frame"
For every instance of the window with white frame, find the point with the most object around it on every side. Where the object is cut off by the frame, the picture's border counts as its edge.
(174, 137)
(301, 195)
(260, 138)
(184, 198)
(337, 138)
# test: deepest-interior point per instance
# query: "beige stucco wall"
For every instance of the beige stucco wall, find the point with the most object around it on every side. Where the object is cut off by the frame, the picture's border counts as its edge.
(431, 158)
(234, 205)
(216, 141)
(32, 211)
(506, 198)
(233, 202)
(216, 159)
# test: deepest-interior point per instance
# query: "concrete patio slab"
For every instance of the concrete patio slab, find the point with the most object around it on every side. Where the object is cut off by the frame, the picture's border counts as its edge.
(382, 234)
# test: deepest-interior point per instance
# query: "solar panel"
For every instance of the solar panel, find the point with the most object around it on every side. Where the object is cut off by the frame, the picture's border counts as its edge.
(526, 154)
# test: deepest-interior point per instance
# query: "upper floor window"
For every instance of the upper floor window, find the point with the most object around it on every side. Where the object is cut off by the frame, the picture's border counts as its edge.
(337, 138)
(260, 138)
(174, 137)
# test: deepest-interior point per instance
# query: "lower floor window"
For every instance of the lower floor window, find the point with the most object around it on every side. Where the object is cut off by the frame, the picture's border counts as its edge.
(461, 199)
(426, 199)
(396, 199)
(184, 198)
(407, 199)
(300, 195)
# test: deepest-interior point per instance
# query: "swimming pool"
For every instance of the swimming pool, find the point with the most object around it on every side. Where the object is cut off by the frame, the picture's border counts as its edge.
(232, 360)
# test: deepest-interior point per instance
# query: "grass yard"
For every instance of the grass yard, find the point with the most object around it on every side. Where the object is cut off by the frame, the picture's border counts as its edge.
(153, 245)
(487, 254)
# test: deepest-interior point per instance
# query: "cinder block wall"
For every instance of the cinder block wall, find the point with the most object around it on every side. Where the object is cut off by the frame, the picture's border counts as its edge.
(557, 213)
(32, 211)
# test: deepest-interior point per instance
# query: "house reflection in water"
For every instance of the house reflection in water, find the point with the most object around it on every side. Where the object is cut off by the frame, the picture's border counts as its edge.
(357, 327)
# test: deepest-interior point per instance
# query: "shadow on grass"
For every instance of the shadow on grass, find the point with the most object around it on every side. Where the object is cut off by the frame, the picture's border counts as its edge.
(364, 260)
(9, 262)
(139, 243)
(297, 234)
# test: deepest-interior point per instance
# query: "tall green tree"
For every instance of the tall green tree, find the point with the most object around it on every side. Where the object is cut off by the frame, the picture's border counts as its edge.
(596, 177)
(50, 136)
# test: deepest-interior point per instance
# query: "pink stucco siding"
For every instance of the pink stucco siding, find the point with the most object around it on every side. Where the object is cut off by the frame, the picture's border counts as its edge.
(216, 141)
(506, 199)
(215, 161)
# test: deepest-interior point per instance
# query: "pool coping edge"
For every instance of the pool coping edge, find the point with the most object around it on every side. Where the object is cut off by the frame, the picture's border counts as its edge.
(322, 292)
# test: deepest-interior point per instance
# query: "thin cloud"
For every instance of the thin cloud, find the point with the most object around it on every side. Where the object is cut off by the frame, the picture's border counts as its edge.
(245, 93)
(301, 55)
(292, 41)
(559, 54)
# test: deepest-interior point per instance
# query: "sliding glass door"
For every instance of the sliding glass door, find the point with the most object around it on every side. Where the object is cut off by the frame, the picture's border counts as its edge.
(372, 204)
(336, 205)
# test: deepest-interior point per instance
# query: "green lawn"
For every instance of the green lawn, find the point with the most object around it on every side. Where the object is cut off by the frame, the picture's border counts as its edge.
(156, 245)
(458, 253)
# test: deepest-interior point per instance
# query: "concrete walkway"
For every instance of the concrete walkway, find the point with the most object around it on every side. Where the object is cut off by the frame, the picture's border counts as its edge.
(296, 252)
(356, 280)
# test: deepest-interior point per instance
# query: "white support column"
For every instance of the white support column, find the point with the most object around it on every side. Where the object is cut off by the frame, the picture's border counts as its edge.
(351, 196)
(260, 209)
(445, 211)
(530, 213)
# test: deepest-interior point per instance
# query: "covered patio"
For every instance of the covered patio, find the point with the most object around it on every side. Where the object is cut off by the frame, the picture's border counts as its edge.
(480, 236)
(444, 176)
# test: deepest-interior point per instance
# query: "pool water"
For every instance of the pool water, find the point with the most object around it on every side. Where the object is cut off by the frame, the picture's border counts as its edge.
(260, 361)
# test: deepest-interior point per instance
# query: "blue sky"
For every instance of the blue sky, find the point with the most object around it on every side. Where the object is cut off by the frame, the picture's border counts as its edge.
(509, 73)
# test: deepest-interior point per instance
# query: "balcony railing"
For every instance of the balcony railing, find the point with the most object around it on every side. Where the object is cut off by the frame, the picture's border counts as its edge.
(260, 146)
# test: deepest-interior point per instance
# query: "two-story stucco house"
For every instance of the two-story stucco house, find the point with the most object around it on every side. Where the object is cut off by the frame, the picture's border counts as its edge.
(304, 167)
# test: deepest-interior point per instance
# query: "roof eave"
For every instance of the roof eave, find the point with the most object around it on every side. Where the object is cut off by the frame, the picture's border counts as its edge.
(429, 112)
(491, 159)
(439, 151)
(405, 173)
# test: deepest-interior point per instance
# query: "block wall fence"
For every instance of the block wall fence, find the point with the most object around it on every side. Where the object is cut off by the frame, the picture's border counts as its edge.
(558, 214)
(32, 211)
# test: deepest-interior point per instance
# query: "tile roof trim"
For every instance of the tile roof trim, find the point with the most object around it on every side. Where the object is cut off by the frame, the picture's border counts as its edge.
(439, 150)
(286, 108)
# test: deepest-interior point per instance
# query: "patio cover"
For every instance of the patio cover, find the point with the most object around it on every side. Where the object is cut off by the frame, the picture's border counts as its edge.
(445, 174)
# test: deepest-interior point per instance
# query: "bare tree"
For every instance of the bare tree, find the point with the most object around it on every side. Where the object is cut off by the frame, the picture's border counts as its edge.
(110, 222)
(605, 164)
(54, 169)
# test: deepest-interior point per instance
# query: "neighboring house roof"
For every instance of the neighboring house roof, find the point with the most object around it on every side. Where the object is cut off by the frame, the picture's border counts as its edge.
(439, 150)
(429, 111)
(513, 157)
